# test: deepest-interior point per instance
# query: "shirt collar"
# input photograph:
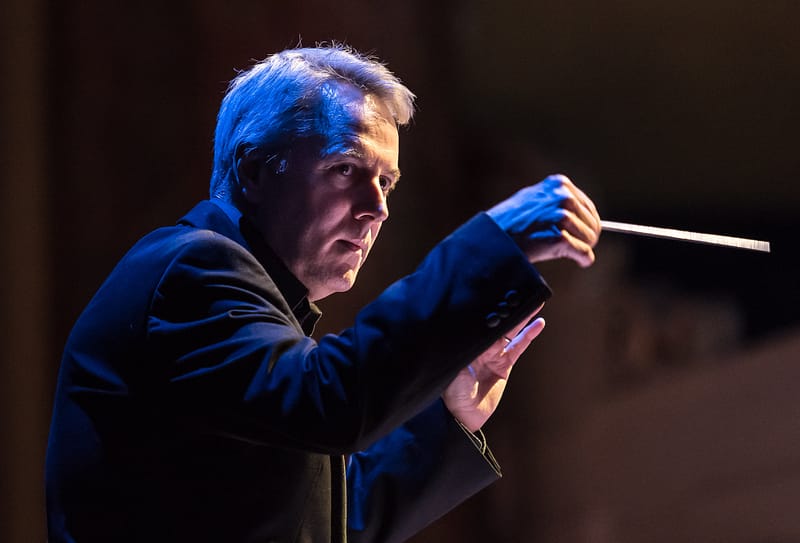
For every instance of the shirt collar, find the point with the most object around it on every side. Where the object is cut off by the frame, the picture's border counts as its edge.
(294, 291)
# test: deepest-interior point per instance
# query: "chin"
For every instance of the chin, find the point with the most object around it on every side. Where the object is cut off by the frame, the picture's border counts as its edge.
(345, 284)
(338, 284)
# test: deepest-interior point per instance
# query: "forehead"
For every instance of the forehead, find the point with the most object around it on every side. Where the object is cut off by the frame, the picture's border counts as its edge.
(350, 118)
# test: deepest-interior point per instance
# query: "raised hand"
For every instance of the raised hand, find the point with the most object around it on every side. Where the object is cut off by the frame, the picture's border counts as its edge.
(549, 220)
(473, 395)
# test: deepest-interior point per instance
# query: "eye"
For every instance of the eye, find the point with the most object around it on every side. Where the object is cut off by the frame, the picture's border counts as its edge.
(344, 169)
(386, 184)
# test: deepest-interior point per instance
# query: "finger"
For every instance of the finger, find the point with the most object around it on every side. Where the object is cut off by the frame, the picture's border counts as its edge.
(523, 323)
(503, 365)
(576, 249)
(585, 216)
(582, 214)
(589, 205)
(521, 341)
(567, 246)
(578, 227)
(499, 346)
(579, 202)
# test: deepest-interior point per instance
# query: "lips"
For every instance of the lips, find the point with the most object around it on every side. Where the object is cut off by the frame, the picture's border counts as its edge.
(355, 245)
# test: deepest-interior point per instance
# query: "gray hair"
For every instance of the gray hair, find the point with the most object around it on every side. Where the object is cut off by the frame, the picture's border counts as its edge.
(282, 98)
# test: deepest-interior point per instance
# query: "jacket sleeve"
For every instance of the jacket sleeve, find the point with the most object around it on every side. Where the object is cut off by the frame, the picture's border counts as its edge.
(414, 476)
(233, 358)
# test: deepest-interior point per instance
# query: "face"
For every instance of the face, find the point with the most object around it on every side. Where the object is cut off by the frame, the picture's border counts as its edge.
(324, 212)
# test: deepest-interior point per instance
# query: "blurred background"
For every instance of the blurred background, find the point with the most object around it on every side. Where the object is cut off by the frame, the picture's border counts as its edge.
(659, 404)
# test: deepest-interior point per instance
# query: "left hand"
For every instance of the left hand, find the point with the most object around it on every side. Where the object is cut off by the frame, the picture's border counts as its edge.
(475, 392)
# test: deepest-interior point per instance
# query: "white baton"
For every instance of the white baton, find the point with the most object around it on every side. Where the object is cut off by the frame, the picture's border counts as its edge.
(685, 235)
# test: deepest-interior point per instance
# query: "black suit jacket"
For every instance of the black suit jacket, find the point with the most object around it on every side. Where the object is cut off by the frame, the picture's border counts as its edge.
(192, 405)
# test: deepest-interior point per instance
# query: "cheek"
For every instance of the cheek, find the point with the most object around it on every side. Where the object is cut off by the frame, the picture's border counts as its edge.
(331, 211)
(322, 225)
(326, 222)
(374, 231)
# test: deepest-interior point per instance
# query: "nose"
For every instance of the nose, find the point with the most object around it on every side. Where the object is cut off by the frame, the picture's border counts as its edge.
(371, 202)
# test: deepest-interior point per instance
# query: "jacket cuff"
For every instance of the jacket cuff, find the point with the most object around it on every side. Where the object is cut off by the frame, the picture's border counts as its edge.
(478, 440)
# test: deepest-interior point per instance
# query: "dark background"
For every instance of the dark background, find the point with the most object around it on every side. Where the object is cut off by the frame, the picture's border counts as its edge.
(678, 114)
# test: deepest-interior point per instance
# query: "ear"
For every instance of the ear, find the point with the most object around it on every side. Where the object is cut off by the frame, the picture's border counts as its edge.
(250, 175)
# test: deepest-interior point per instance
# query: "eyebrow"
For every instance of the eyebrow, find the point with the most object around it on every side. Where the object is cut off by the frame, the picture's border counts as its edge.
(355, 153)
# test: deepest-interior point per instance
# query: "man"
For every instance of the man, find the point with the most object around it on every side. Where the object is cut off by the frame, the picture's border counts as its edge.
(192, 405)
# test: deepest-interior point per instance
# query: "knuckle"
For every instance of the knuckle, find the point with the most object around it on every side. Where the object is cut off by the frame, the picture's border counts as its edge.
(560, 180)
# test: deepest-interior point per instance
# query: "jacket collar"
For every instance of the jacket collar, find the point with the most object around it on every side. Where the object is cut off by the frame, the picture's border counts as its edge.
(226, 220)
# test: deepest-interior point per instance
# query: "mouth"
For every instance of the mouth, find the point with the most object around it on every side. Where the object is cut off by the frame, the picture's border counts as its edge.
(355, 246)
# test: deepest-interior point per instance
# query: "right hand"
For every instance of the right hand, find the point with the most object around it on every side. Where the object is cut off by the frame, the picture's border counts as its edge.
(549, 220)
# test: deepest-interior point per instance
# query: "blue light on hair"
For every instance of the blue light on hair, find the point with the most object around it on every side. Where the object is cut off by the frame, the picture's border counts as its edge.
(289, 96)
